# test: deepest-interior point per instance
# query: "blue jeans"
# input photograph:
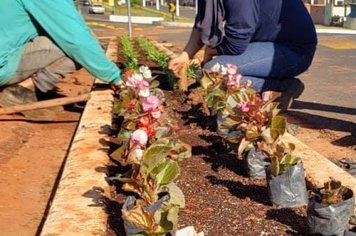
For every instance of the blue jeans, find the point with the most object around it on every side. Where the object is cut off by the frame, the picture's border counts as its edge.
(267, 64)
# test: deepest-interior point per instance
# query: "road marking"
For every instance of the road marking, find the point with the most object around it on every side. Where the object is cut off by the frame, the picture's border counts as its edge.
(159, 27)
(106, 26)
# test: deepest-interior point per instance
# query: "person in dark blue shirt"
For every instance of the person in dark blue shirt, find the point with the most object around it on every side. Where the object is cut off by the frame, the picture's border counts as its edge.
(271, 41)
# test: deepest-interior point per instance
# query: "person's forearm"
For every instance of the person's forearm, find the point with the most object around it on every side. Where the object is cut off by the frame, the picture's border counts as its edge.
(194, 44)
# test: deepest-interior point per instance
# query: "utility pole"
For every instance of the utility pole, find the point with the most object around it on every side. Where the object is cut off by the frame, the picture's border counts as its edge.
(177, 8)
(129, 17)
(157, 5)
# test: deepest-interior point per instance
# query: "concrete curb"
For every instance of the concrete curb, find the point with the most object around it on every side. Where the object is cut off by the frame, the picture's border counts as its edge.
(318, 168)
(78, 207)
(335, 31)
(177, 24)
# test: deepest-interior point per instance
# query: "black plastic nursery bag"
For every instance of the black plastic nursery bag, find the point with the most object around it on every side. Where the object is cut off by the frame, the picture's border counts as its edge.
(256, 163)
(288, 189)
(332, 219)
(130, 203)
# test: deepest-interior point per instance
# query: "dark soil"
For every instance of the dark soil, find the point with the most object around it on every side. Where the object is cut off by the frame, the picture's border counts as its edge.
(220, 199)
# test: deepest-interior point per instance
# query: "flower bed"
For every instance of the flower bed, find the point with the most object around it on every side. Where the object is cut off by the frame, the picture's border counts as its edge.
(219, 197)
(263, 136)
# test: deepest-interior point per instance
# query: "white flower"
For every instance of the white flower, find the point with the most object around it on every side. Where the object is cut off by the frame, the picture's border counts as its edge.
(146, 72)
(145, 92)
(223, 70)
(187, 231)
(138, 153)
(216, 68)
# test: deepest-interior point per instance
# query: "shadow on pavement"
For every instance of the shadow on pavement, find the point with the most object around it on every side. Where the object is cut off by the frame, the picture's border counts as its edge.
(323, 107)
(322, 122)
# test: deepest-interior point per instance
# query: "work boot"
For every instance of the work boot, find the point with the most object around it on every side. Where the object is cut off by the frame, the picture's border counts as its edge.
(18, 95)
(291, 89)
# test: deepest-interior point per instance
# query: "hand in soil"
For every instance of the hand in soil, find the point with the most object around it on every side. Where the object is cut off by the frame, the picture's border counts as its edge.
(176, 64)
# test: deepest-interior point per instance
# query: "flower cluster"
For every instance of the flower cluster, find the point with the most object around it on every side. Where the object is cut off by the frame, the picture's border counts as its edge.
(152, 149)
(238, 107)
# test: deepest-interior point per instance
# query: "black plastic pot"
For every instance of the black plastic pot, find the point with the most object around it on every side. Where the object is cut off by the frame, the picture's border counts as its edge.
(255, 163)
(288, 189)
(130, 202)
(332, 219)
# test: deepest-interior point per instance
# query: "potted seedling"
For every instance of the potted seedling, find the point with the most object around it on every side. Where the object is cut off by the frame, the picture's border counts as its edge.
(285, 176)
(330, 209)
(242, 115)
(142, 219)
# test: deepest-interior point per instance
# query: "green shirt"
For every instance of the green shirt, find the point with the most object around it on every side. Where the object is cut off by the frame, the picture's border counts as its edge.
(23, 20)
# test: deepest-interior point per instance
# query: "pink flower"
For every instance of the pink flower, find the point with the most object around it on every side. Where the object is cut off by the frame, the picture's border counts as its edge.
(231, 69)
(151, 103)
(233, 80)
(244, 106)
(139, 137)
(134, 81)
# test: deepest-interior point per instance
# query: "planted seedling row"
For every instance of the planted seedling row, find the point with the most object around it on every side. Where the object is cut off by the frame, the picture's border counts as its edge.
(254, 130)
(150, 152)
(252, 127)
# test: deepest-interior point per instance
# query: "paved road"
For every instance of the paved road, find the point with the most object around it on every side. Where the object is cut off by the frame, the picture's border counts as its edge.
(186, 12)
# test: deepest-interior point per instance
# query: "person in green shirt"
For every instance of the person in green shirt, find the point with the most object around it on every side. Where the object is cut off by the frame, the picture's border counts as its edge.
(45, 40)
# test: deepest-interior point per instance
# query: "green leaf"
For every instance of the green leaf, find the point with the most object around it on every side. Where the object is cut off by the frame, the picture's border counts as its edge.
(118, 153)
(181, 151)
(175, 193)
(270, 135)
(274, 166)
(168, 173)
(154, 84)
(163, 132)
(152, 157)
(289, 160)
(167, 218)
(206, 81)
(279, 123)
(252, 133)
